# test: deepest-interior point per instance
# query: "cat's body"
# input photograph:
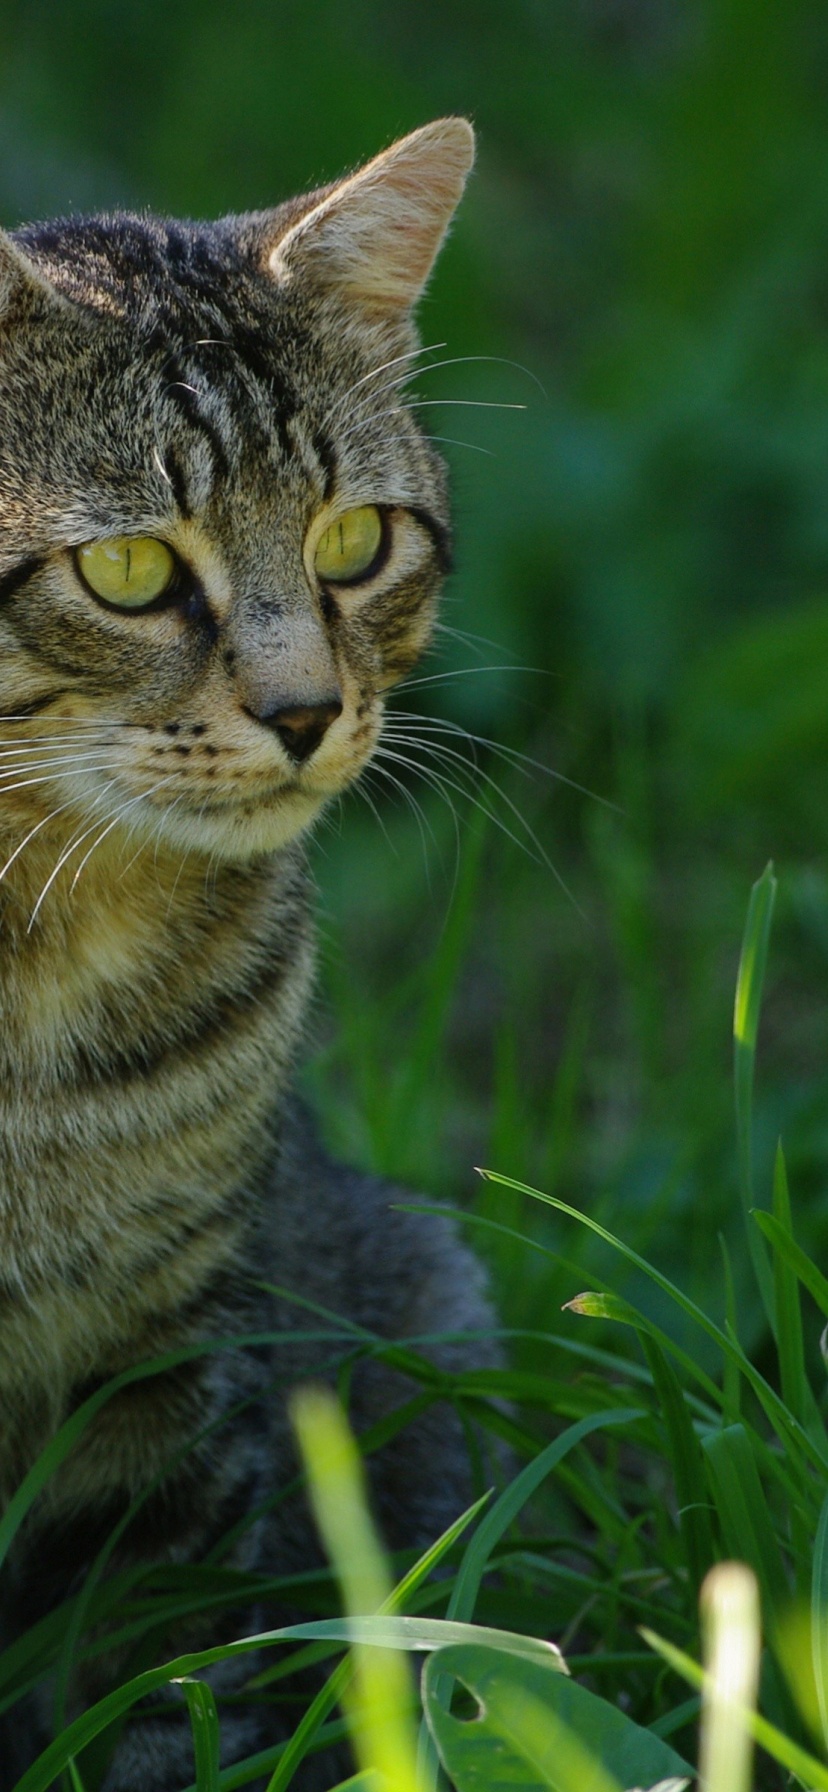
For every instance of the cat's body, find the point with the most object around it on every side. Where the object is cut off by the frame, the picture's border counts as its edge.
(209, 403)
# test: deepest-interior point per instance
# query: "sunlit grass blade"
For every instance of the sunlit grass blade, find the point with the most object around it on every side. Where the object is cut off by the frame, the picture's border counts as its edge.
(329, 1694)
(491, 1530)
(378, 1703)
(747, 1006)
(205, 1727)
(730, 1628)
(819, 1619)
(597, 1305)
(796, 1760)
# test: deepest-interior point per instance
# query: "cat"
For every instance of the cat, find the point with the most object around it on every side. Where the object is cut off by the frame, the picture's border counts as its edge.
(222, 537)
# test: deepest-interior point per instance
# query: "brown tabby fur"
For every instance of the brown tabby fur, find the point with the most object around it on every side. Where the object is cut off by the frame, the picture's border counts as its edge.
(227, 388)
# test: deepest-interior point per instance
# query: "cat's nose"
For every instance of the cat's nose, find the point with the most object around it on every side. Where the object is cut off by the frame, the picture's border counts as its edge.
(300, 729)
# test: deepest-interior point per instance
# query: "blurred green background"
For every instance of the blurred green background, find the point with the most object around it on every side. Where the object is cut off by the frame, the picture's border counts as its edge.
(642, 557)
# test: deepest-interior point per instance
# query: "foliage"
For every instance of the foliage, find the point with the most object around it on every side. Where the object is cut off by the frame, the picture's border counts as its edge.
(661, 1471)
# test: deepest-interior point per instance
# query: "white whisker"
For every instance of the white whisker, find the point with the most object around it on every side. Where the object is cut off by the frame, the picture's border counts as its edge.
(411, 355)
(413, 373)
(476, 404)
(416, 808)
(74, 844)
(105, 765)
(510, 755)
(475, 642)
(360, 790)
(31, 834)
(71, 721)
(455, 442)
(433, 780)
(411, 684)
(443, 752)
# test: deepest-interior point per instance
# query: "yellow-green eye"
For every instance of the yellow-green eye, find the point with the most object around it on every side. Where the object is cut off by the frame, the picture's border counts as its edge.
(130, 570)
(349, 547)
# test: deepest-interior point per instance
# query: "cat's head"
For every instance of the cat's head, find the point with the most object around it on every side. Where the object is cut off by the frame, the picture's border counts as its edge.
(221, 530)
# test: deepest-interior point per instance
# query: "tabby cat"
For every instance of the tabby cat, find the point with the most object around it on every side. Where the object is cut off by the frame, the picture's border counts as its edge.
(222, 534)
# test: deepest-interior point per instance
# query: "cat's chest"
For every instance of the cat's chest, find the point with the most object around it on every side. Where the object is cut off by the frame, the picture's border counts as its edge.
(138, 1090)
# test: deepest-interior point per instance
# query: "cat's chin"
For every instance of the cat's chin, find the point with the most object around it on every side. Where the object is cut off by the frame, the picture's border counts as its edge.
(239, 831)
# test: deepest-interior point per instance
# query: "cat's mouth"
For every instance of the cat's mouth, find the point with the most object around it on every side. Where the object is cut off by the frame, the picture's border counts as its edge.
(237, 825)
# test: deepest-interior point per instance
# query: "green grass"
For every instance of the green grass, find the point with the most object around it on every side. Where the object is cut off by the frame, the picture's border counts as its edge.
(660, 1421)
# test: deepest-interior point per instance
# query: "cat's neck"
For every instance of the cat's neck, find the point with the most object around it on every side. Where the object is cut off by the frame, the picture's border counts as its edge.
(108, 953)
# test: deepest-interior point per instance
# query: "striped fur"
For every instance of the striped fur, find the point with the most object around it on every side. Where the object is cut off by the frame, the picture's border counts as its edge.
(226, 388)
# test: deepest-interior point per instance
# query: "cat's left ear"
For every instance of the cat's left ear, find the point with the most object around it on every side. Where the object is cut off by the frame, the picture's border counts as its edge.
(375, 236)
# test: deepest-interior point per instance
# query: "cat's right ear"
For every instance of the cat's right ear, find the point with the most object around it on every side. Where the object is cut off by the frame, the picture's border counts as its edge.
(22, 284)
(374, 237)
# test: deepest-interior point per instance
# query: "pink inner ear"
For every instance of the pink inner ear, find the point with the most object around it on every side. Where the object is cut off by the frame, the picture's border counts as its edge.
(376, 236)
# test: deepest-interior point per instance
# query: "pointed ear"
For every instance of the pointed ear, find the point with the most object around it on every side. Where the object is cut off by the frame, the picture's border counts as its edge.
(21, 282)
(375, 236)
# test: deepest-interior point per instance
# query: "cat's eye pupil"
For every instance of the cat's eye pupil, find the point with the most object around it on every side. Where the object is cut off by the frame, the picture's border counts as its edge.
(349, 549)
(127, 571)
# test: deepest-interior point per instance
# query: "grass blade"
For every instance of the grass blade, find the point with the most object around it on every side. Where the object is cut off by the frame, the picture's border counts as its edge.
(796, 1760)
(730, 1625)
(819, 1619)
(793, 1254)
(378, 1701)
(513, 1499)
(685, 1453)
(205, 1726)
(783, 1422)
(329, 1694)
(743, 1513)
(749, 982)
(789, 1340)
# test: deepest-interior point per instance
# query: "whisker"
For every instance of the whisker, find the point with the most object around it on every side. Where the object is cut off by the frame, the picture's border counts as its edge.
(477, 404)
(415, 807)
(106, 765)
(413, 373)
(397, 410)
(11, 751)
(56, 759)
(184, 857)
(87, 855)
(510, 755)
(71, 721)
(455, 442)
(434, 781)
(77, 840)
(156, 836)
(442, 784)
(469, 640)
(404, 410)
(411, 355)
(73, 845)
(360, 790)
(31, 834)
(411, 684)
(539, 854)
